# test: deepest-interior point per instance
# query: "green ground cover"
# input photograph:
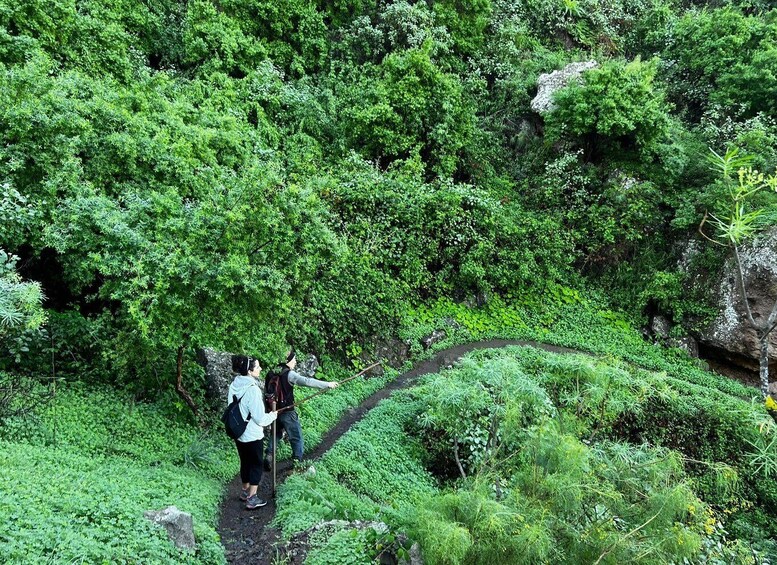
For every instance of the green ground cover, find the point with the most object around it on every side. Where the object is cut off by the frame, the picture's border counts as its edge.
(76, 479)
(563, 480)
(160, 458)
(565, 317)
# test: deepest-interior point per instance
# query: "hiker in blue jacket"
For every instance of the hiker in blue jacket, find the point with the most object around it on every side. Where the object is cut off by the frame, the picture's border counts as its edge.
(288, 420)
(245, 387)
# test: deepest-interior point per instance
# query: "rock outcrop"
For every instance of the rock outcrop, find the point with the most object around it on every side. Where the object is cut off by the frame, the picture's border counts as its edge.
(218, 372)
(392, 351)
(179, 525)
(549, 83)
(432, 338)
(730, 332)
(307, 366)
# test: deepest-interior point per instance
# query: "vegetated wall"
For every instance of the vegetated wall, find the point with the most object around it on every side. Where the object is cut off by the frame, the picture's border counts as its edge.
(182, 175)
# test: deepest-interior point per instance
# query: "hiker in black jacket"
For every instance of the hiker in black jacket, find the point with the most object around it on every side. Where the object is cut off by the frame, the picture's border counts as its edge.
(288, 420)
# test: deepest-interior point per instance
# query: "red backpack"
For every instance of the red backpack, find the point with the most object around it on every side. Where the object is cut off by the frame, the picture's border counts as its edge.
(274, 389)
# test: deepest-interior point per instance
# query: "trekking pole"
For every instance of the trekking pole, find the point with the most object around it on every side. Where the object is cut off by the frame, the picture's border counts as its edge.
(360, 373)
(275, 448)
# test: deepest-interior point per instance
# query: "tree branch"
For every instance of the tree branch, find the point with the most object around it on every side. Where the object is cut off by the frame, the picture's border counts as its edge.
(182, 392)
(771, 322)
(634, 531)
(456, 457)
(262, 246)
(741, 281)
(704, 235)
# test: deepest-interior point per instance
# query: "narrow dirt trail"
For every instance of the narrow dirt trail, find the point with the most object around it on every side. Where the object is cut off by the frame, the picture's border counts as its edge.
(246, 535)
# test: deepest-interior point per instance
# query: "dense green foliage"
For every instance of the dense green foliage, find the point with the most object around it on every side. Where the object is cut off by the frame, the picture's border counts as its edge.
(21, 312)
(88, 466)
(568, 459)
(21, 318)
(617, 103)
(200, 173)
(249, 174)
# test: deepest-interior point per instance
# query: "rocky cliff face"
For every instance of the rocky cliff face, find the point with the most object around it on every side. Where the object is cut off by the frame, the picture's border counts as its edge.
(730, 332)
(549, 83)
(218, 372)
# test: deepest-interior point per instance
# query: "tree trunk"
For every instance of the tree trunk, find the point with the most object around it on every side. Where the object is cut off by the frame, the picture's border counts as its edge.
(761, 332)
(764, 364)
(182, 392)
(456, 456)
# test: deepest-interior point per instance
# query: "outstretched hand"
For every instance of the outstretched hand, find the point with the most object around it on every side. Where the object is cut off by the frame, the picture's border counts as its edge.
(334, 385)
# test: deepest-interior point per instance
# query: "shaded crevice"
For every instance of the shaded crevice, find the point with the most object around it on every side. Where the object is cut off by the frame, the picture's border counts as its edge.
(733, 365)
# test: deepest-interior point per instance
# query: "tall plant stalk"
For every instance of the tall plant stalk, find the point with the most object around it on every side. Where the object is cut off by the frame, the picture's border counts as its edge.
(737, 226)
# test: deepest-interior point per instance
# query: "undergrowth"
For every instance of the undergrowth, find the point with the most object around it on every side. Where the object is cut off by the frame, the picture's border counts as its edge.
(564, 317)
(561, 459)
(85, 467)
(76, 479)
(113, 452)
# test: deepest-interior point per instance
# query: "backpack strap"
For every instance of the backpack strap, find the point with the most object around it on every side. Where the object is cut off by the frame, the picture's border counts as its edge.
(284, 375)
(235, 399)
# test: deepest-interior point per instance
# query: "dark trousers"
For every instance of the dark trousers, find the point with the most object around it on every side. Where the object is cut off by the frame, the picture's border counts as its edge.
(250, 461)
(288, 421)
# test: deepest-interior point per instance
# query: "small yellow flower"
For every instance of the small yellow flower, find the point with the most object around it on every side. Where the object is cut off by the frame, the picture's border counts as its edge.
(770, 403)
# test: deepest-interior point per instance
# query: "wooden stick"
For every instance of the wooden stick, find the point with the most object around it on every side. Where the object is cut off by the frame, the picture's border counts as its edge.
(275, 449)
(360, 373)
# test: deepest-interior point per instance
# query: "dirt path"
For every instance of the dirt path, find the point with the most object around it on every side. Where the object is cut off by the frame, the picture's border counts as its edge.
(246, 536)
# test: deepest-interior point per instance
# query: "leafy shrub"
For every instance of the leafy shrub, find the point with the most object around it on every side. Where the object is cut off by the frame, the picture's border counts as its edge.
(20, 302)
(726, 57)
(557, 455)
(478, 411)
(552, 465)
(407, 105)
(599, 23)
(439, 237)
(21, 318)
(466, 21)
(344, 546)
(618, 103)
(97, 38)
(233, 37)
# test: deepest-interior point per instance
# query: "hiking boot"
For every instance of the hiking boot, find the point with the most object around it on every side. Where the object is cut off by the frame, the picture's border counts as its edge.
(255, 502)
(244, 494)
(267, 464)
